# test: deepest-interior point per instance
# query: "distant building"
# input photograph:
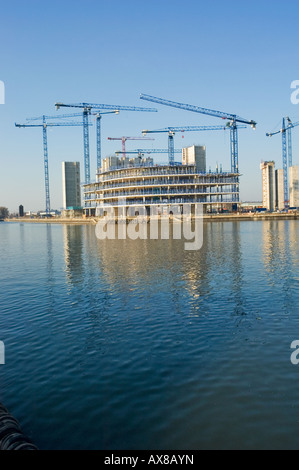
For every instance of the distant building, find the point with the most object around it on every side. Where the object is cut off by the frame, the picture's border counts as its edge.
(71, 185)
(279, 189)
(21, 211)
(294, 186)
(268, 185)
(251, 206)
(195, 155)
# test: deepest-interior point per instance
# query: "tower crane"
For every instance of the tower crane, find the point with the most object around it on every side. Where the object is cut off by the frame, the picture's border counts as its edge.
(124, 139)
(232, 118)
(87, 108)
(172, 130)
(56, 116)
(98, 116)
(289, 136)
(287, 158)
(44, 125)
(171, 135)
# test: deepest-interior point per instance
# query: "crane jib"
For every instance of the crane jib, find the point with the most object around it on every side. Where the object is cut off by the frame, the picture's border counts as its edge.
(197, 109)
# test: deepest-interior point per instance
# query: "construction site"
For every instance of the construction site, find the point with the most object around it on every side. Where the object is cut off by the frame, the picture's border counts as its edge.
(134, 176)
(280, 187)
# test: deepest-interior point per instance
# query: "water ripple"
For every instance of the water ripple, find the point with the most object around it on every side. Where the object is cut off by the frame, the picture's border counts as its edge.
(142, 345)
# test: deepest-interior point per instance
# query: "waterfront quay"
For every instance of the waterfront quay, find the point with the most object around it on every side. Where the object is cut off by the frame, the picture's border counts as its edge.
(206, 217)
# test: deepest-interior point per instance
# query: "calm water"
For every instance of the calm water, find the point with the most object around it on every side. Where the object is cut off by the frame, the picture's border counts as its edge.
(142, 345)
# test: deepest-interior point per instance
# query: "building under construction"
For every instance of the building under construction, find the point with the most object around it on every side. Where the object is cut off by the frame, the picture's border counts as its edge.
(142, 183)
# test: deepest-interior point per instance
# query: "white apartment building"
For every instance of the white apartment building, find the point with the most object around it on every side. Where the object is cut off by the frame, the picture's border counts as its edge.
(279, 188)
(195, 155)
(268, 185)
(294, 186)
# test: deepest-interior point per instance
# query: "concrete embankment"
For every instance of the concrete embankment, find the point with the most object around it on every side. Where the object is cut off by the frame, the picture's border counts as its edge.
(253, 216)
(54, 220)
(206, 217)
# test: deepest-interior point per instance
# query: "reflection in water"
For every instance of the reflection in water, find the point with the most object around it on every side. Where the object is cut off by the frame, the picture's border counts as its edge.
(280, 256)
(122, 344)
(87, 295)
(153, 264)
(221, 260)
(195, 268)
(22, 237)
(50, 260)
(73, 253)
(293, 241)
(51, 302)
(237, 272)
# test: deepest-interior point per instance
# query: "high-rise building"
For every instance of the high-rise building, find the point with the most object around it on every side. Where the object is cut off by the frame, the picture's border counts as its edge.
(279, 188)
(71, 185)
(294, 186)
(268, 185)
(195, 155)
(21, 211)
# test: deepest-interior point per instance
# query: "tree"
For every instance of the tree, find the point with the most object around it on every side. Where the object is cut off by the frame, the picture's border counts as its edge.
(4, 213)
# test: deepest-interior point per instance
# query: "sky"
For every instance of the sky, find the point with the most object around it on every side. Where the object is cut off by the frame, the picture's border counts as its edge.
(236, 57)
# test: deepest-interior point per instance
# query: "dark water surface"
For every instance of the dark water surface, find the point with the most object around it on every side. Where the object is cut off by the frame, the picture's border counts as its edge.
(142, 345)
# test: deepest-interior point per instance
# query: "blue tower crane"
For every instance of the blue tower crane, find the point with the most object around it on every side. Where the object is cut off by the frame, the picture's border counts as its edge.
(171, 135)
(44, 125)
(232, 118)
(287, 158)
(56, 116)
(172, 130)
(87, 107)
(99, 115)
(289, 137)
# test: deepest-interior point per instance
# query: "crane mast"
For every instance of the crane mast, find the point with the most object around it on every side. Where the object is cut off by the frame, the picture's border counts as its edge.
(87, 110)
(44, 125)
(233, 118)
(287, 158)
(172, 130)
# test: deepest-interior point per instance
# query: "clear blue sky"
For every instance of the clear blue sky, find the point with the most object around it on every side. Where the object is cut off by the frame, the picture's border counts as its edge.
(237, 57)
